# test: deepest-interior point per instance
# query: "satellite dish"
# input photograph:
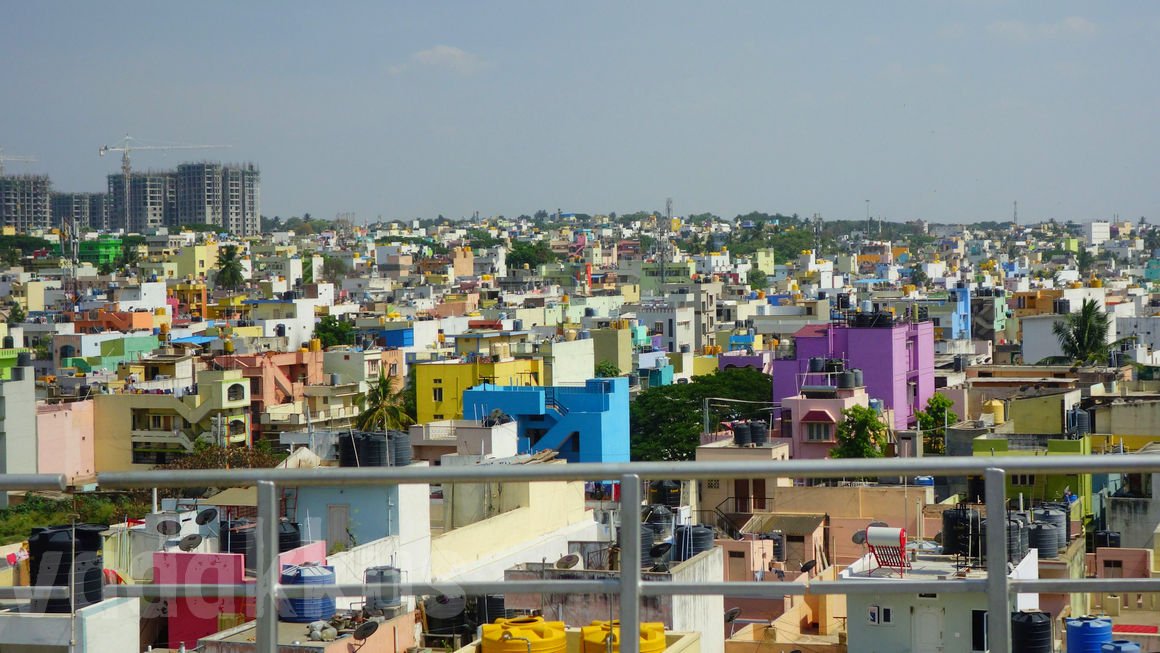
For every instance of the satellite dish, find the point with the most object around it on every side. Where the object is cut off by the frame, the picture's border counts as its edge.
(168, 527)
(809, 566)
(365, 630)
(206, 516)
(859, 537)
(189, 542)
(660, 550)
(567, 562)
(731, 615)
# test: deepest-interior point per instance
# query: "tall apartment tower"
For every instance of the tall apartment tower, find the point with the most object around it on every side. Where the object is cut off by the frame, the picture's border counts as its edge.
(90, 210)
(222, 195)
(152, 201)
(199, 194)
(24, 202)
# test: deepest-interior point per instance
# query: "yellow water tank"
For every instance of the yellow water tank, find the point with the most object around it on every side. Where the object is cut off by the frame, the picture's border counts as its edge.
(565, 299)
(595, 637)
(996, 409)
(315, 344)
(164, 328)
(523, 634)
(159, 311)
(570, 335)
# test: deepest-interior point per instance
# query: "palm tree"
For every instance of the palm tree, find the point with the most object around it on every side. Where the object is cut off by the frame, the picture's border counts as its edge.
(1083, 336)
(384, 408)
(229, 275)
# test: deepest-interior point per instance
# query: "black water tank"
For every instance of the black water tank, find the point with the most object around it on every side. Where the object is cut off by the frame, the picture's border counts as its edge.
(959, 524)
(778, 539)
(401, 448)
(1031, 632)
(375, 451)
(239, 538)
(742, 433)
(289, 536)
(1014, 537)
(1108, 539)
(446, 615)
(10, 342)
(490, 608)
(348, 450)
(1045, 539)
(666, 493)
(759, 432)
(52, 563)
(817, 365)
(23, 359)
(688, 541)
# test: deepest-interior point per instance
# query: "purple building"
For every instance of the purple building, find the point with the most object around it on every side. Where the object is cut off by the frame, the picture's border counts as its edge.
(896, 359)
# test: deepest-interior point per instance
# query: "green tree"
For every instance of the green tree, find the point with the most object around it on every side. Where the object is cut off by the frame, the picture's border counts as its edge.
(918, 277)
(758, 280)
(861, 434)
(933, 421)
(229, 271)
(16, 314)
(333, 331)
(533, 254)
(606, 369)
(666, 421)
(1083, 336)
(384, 407)
(1084, 260)
(334, 269)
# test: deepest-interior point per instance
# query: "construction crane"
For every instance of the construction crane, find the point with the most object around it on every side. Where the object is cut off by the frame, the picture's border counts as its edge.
(126, 146)
(5, 157)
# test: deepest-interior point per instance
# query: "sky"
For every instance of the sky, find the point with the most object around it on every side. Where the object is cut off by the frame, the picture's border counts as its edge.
(940, 110)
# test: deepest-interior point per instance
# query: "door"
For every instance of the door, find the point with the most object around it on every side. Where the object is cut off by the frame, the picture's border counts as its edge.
(927, 629)
(337, 522)
(758, 494)
(740, 495)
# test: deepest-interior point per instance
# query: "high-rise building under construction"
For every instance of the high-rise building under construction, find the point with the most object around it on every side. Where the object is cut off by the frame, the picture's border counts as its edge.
(24, 202)
(221, 195)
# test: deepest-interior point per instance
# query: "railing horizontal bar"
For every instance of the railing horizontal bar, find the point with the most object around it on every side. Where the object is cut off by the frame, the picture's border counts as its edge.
(1065, 585)
(473, 588)
(851, 586)
(34, 592)
(32, 482)
(846, 468)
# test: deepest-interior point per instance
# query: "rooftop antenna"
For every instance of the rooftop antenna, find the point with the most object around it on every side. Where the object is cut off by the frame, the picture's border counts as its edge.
(1015, 216)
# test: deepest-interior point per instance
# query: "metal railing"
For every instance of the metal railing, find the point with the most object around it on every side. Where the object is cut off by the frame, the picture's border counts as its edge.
(996, 585)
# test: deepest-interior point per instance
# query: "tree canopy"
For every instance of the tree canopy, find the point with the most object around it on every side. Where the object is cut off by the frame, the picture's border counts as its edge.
(933, 422)
(229, 272)
(1083, 336)
(384, 407)
(606, 369)
(666, 421)
(333, 331)
(861, 434)
(533, 254)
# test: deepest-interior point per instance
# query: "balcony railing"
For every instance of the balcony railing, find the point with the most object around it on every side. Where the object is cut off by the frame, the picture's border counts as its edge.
(997, 585)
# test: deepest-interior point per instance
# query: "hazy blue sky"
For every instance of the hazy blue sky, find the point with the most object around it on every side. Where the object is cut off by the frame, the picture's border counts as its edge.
(941, 110)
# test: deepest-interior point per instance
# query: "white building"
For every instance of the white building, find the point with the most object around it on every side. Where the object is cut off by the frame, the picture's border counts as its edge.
(1098, 231)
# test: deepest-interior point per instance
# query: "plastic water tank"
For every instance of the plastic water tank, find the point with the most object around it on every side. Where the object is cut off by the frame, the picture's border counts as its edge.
(759, 432)
(688, 541)
(310, 608)
(596, 635)
(1043, 537)
(289, 536)
(1031, 632)
(817, 365)
(1056, 518)
(526, 634)
(387, 597)
(742, 433)
(1088, 634)
(400, 445)
(52, 563)
(1120, 646)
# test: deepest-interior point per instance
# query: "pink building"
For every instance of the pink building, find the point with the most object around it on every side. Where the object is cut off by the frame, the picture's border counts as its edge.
(810, 418)
(64, 441)
(896, 358)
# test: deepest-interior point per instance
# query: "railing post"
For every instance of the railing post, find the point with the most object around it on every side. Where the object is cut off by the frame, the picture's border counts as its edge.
(998, 597)
(266, 602)
(630, 563)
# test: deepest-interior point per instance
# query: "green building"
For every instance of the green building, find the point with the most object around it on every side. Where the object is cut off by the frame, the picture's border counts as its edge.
(101, 251)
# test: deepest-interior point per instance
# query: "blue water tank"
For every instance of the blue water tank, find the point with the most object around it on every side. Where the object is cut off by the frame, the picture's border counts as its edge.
(876, 405)
(318, 607)
(1088, 634)
(925, 481)
(1120, 646)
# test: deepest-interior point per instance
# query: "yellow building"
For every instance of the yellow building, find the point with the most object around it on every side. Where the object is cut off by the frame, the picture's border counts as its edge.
(138, 431)
(440, 384)
(197, 261)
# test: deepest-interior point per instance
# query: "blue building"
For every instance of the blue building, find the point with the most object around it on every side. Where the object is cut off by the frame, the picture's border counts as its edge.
(586, 424)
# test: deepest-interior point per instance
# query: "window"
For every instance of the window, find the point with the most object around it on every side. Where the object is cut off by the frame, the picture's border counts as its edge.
(819, 432)
(880, 615)
(979, 630)
(394, 370)
(1113, 568)
(1025, 480)
(714, 484)
(437, 394)
(236, 392)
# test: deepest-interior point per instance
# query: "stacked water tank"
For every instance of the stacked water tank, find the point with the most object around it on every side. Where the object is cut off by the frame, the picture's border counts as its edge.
(1044, 538)
(667, 493)
(742, 433)
(959, 525)
(374, 449)
(58, 554)
(1017, 541)
(759, 432)
(1057, 518)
